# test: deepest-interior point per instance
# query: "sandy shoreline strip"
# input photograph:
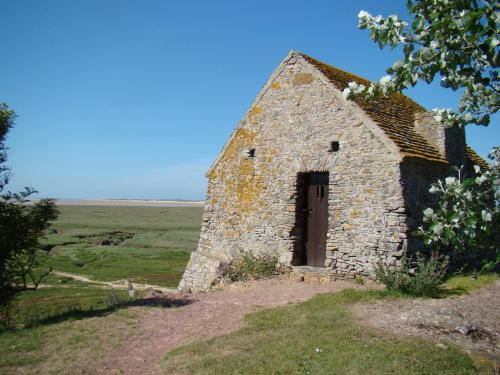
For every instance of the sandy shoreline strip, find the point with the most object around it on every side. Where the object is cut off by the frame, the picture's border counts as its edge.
(128, 202)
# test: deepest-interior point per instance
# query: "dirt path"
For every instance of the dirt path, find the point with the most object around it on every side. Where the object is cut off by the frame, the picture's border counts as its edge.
(470, 320)
(117, 284)
(202, 315)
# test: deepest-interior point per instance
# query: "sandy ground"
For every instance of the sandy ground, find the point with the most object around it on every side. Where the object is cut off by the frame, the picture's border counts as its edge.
(127, 202)
(202, 315)
(471, 320)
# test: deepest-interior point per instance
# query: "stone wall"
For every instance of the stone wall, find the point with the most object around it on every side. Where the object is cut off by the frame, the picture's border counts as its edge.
(450, 142)
(251, 201)
(416, 177)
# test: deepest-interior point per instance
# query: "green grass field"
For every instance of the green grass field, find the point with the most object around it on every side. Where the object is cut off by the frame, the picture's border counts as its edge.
(150, 244)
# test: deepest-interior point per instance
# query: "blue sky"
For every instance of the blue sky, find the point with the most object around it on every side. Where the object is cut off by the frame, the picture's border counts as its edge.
(134, 99)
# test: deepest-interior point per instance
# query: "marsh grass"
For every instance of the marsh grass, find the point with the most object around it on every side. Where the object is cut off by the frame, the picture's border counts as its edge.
(151, 244)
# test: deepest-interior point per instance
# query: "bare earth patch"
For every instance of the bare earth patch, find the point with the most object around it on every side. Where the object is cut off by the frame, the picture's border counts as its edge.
(201, 315)
(471, 320)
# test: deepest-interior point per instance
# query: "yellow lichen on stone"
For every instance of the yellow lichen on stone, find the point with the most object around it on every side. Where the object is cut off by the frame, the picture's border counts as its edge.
(245, 188)
(369, 191)
(354, 213)
(241, 140)
(242, 184)
(255, 110)
(302, 79)
(276, 85)
(211, 174)
(254, 113)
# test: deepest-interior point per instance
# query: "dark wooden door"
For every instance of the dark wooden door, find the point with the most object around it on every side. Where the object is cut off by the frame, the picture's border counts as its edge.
(317, 219)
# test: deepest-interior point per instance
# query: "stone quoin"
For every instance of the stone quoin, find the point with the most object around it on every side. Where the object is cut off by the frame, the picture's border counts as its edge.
(320, 180)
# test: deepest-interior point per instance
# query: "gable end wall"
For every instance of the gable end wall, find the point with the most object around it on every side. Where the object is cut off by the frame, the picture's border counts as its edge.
(251, 202)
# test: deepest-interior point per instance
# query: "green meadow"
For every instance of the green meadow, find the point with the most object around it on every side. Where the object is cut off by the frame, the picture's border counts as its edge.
(148, 244)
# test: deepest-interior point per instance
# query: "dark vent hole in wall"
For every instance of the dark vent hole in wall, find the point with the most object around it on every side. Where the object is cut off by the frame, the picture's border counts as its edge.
(334, 146)
(250, 153)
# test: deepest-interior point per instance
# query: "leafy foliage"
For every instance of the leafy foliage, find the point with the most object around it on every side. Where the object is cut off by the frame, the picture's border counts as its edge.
(466, 221)
(21, 227)
(456, 40)
(421, 277)
(249, 266)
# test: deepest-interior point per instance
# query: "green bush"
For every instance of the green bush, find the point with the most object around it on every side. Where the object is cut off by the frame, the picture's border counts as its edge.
(420, 277)
(250, 267)
(465, 222)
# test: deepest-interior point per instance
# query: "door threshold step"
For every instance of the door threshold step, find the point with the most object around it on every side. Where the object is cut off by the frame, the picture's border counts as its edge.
(312, 275)
(311, 269)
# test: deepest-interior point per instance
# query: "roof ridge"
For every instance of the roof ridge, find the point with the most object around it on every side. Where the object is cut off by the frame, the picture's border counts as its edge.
(394, 114)
(331, 66)
(358, 77)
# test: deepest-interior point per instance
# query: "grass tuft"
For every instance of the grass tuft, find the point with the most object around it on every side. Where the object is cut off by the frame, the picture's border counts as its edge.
(466, 283)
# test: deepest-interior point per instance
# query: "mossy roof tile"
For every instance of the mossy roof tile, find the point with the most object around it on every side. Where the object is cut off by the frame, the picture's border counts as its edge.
(475, 158)
(394, 114)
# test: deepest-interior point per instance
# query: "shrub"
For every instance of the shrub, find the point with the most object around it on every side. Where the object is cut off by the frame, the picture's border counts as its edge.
(113, 299)
(21, 228)
(466, 220)
(359, 280)
(420, 277)
(250, 267)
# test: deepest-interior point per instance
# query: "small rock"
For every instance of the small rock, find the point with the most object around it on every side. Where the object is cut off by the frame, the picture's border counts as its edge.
(464, 329)
(442, 346)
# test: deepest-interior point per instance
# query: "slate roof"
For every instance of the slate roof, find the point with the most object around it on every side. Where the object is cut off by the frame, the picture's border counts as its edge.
(394, 114)
(475, 158)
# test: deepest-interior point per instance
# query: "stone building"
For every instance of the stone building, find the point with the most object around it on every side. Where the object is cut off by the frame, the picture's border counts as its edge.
(319, 180)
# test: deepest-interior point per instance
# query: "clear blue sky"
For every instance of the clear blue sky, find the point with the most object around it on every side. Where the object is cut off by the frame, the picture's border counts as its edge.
(134, 99)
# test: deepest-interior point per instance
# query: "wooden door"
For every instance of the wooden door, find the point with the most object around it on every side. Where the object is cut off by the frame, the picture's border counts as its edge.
(317, 219)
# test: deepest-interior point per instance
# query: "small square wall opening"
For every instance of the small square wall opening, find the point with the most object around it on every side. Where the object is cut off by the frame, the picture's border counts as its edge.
(250, 153)
(334, 146)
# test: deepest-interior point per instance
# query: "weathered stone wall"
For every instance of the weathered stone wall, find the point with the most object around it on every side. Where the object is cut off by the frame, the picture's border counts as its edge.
(251, 202)
(416, 177)
(450, 142)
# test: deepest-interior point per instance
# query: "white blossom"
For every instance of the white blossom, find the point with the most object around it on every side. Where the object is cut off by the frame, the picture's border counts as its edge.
(385, 80)
(481, 179)
(346, 93)
(428, 212)
(433, 189)
(364, 14)
(450, 181)
(486, 215)
(437, 228)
